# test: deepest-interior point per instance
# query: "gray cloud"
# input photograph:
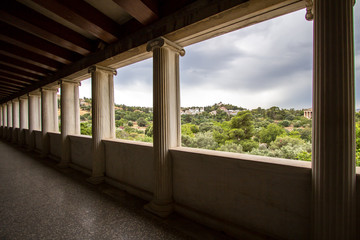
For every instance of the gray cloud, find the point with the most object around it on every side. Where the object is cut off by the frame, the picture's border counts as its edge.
(263, 65)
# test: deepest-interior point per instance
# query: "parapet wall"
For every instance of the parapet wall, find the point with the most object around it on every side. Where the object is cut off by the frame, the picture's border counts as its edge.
(250, 196)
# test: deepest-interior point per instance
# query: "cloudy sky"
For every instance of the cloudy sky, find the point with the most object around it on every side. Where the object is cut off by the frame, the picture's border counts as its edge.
(268, 64)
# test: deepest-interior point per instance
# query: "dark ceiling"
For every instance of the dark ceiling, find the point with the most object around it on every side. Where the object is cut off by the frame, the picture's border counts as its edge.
(44, 40)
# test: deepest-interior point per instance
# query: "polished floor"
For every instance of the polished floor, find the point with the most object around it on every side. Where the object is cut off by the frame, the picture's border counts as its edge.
(39, 201)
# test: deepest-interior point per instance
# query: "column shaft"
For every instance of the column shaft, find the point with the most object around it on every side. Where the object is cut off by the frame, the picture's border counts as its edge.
(70, 119)
(1, 122)
(49, 117)
(9, 121)
(103, 119)
(16, 120)
(9, 114)
(333, 121)
(4, 120)
(166, 120)
(24, 118)
(34, 123)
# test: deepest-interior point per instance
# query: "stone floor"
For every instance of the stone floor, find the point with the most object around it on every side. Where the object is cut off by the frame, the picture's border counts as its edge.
(39, 201)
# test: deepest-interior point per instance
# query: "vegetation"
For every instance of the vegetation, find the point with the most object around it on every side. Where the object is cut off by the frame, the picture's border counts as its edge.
(273, 132)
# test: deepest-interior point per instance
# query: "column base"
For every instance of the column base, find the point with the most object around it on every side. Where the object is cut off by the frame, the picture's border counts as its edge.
(159, 210)
(96, 180)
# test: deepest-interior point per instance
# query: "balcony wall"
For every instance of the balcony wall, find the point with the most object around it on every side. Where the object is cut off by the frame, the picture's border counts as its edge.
(358, 200)
(236, 193)
(55, 145)
(38, 140)
(80, 147)
(132, 165)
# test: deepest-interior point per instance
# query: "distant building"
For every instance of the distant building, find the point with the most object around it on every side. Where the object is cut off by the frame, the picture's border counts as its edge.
(308, 113)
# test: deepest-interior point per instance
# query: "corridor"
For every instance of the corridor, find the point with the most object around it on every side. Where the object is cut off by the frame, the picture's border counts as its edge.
(40, 201)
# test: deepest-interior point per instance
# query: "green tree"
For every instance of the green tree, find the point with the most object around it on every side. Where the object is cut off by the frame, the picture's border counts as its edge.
(85, 128)
(244, 125)
(269, 134)
(141, 122)
(230, 147)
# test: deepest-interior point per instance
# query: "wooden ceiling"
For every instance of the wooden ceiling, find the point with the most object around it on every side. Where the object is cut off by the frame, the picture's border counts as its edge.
(42, 41)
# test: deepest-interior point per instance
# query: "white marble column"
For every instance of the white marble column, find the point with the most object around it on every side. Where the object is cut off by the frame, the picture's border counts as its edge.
(24, 118)
(166, 120)
(49, 117)
(1, 113)
(70, 117)
(1, 122)
(103, 117)
(34, 122)
(4, 120)
(16, 120)
(333, 172)
(9, 121)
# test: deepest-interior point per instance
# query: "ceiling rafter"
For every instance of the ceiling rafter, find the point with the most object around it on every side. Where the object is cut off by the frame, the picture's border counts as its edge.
(16, 78)
(30, 21)
(21, 83)
(28, 56)
(145, 12)
(10, 87)
(84, 16)
(13, 62)
(8, 82)
(35, 44)
(19, 72)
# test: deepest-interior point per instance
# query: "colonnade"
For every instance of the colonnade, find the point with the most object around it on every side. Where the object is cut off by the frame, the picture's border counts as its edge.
(333, 172)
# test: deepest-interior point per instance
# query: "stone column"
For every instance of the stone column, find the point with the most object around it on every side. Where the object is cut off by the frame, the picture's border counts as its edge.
(333, 170)
(9, 121)
(1, 120)
(4, 120)
(34, 122)
(49, 117)
(24, 118)
(166, 120)
(70, 117)
(103, 117)
(16, 120)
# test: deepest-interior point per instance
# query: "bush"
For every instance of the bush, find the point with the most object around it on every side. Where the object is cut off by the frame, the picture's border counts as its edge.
(141, 122)
(249, 145)
(285, 123)
(230, 147)
(130, 124)
(204, 140)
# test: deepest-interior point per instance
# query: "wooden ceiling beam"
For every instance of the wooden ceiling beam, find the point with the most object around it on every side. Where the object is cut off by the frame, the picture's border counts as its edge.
(28, 56)
(9, 88)
(35, 44)
(10, 76)
(8, 82)
(85, 16)
(145, 12)
(20, 83)
(33, 22)
(19, 72)
(13, 62)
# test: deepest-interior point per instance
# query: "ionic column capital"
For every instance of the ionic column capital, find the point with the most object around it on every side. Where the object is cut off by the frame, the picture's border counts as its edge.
(23, 97)
(15, 100)
(69, 81)
(309, 4)
(96, 68)
(46, 89)
(163, 42)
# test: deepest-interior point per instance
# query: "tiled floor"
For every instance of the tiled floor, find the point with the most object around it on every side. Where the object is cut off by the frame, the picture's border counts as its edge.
(39, 201)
